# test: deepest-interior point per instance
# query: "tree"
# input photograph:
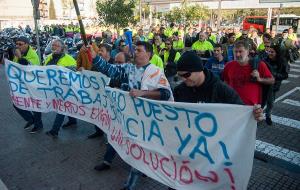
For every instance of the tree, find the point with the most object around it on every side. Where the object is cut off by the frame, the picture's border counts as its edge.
(187, 13)
(115, 12)
(196, 12)
(52, 13)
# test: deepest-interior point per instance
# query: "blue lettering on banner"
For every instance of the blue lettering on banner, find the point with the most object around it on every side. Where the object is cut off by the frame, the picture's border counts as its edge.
(214, 128)
(22, 88)
(75, 77)
(183, 142)
(128, 126)
(70, 93)
(13, 69)
(187, 113)
(155, 131)
(63, 79)
(17, 87)
(97, 99)
(204, 152)
(13, 86)
(137, 102)
(121, 102)
(85, 97)
(172, 111)
(86, 82)
(51, 75)
(96, 86)
(27, 75)
(39, 77)
(58, 92)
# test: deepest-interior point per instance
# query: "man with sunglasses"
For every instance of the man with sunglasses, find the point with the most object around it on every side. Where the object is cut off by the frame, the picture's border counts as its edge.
(25, 55)
(200, 84)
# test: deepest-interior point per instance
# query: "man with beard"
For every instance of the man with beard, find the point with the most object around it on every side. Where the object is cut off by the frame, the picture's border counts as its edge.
(60, 58)
(241, 75)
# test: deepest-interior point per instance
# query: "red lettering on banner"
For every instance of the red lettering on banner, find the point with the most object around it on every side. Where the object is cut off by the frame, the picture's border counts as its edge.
(68, 107)
(168, 166)
(228, 171)
(214, 178)
(26, 102)
(102, 116)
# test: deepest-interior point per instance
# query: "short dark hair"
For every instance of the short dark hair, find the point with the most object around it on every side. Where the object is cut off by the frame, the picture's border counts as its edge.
(266, 35)
(231, 34)
(218, 46)
(169, 40)
(242, 43)
(106, 46)
(121, 41)
(148, 47)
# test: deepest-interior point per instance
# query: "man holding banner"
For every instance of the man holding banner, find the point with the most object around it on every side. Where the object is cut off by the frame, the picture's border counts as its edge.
(25, 55)
(141, 79)
(59, 58)
(201, 85)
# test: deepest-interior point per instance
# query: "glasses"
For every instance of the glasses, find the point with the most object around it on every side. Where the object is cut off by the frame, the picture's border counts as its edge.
(267, 46)
(168, 44)
(20, 44)
(244, 34)
(185, 75)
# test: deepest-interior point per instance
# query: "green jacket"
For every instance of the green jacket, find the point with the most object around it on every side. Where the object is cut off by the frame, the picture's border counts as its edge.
(31, 56)
(156, 60)
(65, 61)
(202, 46)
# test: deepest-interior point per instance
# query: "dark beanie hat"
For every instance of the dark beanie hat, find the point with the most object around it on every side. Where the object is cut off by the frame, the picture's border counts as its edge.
(23, 39)
(189, 61)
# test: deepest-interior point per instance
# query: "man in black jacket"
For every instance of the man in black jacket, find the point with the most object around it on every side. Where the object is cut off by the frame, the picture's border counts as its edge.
(200, 85)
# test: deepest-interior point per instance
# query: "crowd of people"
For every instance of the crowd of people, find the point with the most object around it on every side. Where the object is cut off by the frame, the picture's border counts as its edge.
(175, 63)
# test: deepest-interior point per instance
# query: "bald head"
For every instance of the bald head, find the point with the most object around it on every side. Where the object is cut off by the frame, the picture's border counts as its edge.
(120, 58)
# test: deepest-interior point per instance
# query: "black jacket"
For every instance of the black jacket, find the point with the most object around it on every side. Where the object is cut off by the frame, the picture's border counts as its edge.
(279, 69)
(212, 90)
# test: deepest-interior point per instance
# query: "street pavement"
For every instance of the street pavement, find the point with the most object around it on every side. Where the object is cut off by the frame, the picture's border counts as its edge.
(38, 162)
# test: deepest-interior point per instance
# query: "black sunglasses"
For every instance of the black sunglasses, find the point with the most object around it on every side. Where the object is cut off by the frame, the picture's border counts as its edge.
(185, 75)
(20, 44)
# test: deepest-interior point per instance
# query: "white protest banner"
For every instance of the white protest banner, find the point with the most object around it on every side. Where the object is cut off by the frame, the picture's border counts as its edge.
(183, 145)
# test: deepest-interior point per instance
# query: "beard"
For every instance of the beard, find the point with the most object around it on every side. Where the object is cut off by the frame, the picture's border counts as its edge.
(241, 59)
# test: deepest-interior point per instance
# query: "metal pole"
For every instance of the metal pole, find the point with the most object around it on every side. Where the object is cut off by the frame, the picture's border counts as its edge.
(82, 31)
(269, 18)
(278, 16)
(35, 4)
(141, 12)
(150, 15)
(37, 33)
(219, 14)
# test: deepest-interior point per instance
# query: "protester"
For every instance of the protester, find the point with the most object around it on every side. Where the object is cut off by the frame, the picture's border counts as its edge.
(279, 67)
(141, 79)
(217, 62)
(228, 47)
(60, 58)
(25, 55)
(243, 77)
(203, 47)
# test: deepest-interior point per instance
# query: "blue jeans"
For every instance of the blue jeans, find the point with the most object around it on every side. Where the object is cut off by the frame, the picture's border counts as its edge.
(110, 154)
(31, 116)
(59, 119)
(132, 178)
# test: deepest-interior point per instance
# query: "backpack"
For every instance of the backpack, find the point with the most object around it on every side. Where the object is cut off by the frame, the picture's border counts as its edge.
(293, 54)
(266, 89)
